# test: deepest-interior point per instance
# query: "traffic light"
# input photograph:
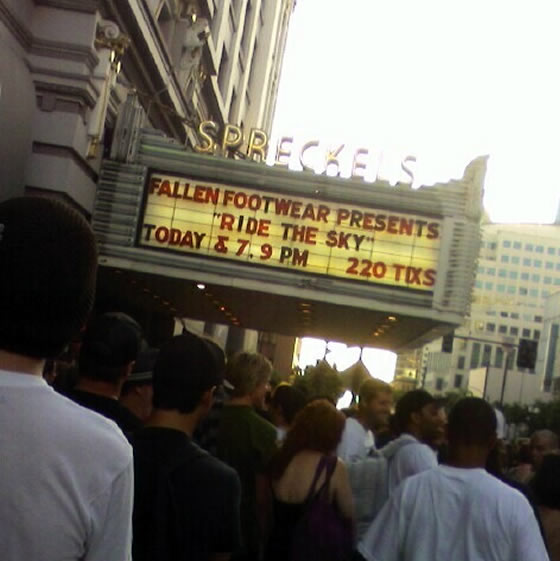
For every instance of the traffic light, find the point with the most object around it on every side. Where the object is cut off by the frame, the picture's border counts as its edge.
(527, 353)
(447, 343)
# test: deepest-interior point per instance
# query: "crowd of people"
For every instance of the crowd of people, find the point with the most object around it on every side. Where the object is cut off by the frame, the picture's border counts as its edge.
(182, 453)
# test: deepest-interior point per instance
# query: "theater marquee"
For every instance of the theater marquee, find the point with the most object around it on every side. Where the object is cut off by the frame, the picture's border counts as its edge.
(272, 229)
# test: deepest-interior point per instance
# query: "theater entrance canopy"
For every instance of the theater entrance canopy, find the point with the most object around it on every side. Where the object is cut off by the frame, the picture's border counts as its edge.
(262, 247)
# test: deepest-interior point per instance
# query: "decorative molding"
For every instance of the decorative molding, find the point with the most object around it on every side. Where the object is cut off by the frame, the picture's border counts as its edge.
(65, 51)
(63, 89)
(16, 28)
(84, 6)
(66, 152)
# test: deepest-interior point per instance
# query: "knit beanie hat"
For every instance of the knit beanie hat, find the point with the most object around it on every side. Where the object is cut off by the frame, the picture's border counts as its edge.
(48, 265)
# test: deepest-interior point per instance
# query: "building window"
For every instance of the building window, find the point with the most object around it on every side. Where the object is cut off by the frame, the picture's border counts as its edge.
(486, 353)
(545, 293)
(511, 359)
(502, 273)
(551, 250)
(475, 355)
(538, 319)
(488, 285)
(499, 358)
(439, 384)
(491, 271)
(491, 327)
(547, 280)
(514, 331)
(458, 380)
(537, 263)
(504, 259)
(478, 284)
(506, 243)
(461, 363)
(522, 291)
(534, 293)
(536, 334)
(557, 266)
(511, 289)
(535, 278)
(514, 315)
(480, 269)
(501, 287)
(539, 249)
(556, 282)
(528, 247)
(525, 333)
(502, 329)
(549, 265)
(524, 276)
(504, 314)
(515, 260)
(526, 262)
(513, 275)
(516, 245)
(492, 245)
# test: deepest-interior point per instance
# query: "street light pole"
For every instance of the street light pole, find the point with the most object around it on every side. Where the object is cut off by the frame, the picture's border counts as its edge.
(509, 349)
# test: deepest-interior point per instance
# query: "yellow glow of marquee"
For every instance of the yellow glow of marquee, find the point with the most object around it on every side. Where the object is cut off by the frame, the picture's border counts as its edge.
(290, 232)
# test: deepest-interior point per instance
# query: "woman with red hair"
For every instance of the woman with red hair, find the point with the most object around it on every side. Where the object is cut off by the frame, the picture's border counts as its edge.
(303, 470)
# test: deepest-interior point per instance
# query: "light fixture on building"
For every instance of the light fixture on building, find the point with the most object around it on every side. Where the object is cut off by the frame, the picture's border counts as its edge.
(200, 286)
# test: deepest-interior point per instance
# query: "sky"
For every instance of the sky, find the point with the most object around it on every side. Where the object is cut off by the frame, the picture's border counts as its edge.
(443, 80)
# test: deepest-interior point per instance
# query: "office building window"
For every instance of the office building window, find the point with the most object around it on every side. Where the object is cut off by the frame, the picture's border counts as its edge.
(504, 259)
(458, 380)
(488, 285)
(524, 276)
(501, 287)
(475, 355)
(551, 250)
(535, 278)
(537, 263)
(502, 329)
(504, 314)
(557, 266)
(547, 280)
(491, 327)
(534, 293)
(502, 273)
(526, 262)
(499, 358)
(511, 289)
(539, 249)
(556, 282)
(549, 265)
(461, 363)
(506, 243)
(478, 284)
(486, 353)
(528, 247)
(514, 315)
(538, 319)
(491, 271)
(525, 333)
(513, 275)
(516, 245)
(439, 384)
(515, 260)
(522, 291)
(514, 331)
(536, 334)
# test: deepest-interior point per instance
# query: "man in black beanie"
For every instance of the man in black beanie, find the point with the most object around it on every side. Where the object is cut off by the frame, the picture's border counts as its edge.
(65, 472)
(109, 350)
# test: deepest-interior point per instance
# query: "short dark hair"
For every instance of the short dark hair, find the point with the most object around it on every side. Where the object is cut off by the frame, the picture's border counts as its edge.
(111, 342)
(472, 421)
(185, 369)
(411, 402)
(289, 400)
(371, 388)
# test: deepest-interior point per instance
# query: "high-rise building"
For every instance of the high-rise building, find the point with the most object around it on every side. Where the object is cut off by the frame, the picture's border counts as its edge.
(518, 270)
(68, 66)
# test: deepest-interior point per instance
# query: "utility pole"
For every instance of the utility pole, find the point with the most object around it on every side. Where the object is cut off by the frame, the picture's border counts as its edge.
(509, 349)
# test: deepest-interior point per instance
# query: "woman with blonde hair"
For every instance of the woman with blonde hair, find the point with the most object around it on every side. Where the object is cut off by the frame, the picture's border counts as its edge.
(312, 498)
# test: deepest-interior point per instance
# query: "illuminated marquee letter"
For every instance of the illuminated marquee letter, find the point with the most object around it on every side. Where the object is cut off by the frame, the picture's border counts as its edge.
(406, 169)
(207, 145)
(258, 145)
(284, 151)
(332, 159)
(307, 146)
(357, 165)
(232, 138)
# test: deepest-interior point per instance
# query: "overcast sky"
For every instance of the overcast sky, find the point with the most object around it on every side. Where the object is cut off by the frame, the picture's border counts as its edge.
(444, 80)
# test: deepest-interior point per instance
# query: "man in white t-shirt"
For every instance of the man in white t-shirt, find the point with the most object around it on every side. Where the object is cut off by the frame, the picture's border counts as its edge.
(418, 421)
(65, 472)
(375, 401)
(457, 511)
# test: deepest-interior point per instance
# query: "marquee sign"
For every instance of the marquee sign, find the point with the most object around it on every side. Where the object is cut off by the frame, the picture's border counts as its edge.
(266, 228)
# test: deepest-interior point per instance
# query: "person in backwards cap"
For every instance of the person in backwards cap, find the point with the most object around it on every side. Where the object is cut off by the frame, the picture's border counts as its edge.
(418, 422)
(186, 501)
(107, 356)
(65, 471)
(137, 391)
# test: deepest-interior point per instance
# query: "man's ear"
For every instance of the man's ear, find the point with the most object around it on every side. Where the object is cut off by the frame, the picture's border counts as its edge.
(207, 398)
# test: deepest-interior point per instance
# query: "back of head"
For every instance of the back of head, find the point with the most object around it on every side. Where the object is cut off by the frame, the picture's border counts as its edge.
(411, 402)
(471, 422)
(288, 400)
(371, 388)
(110, 343)
(185, 369)
(546, 482)
(245, 371)
(317, 427)
(48, 264)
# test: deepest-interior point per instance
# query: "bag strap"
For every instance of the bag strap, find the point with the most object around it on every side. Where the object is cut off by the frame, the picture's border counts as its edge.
(320, 466)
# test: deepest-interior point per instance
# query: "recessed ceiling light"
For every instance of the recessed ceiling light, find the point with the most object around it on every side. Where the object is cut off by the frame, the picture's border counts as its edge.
(200, 286)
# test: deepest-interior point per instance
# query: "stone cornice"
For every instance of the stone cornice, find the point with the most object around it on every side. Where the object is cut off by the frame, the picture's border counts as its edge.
(18, 30)
(65, 51)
